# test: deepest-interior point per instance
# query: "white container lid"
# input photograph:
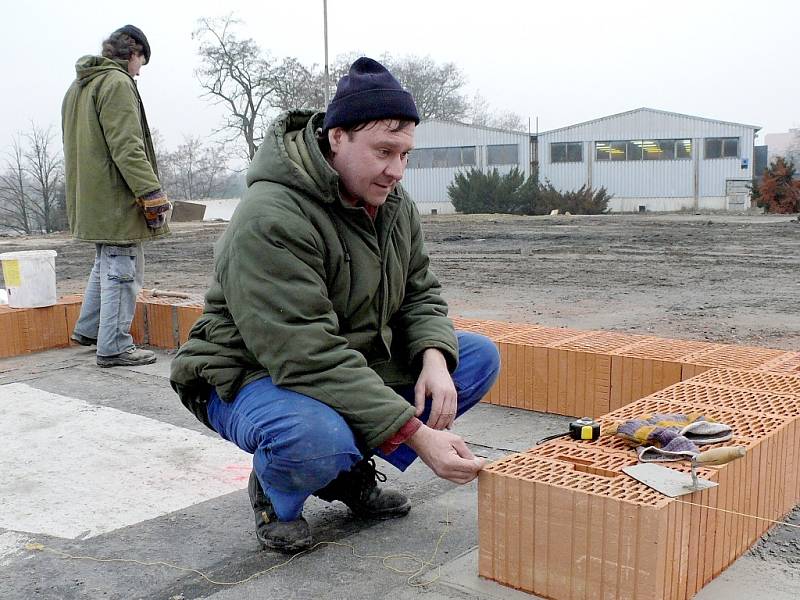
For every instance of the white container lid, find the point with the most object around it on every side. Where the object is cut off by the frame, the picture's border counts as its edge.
(28, 254)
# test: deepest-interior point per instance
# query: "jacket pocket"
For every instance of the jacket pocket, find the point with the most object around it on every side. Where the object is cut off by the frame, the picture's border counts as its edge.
(121, 263)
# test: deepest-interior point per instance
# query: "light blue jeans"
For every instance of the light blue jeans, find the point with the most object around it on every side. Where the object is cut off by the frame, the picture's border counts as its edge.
(109, 301)
(299, 444)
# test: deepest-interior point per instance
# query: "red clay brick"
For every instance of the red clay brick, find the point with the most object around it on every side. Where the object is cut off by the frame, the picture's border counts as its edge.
(733, 357)
(740, 400)
(187, 315)
(494, 330)
(788, 364)
(758, 381)
(162, 325)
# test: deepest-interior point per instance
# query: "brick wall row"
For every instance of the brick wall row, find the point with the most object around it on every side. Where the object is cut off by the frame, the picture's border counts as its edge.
(159, 321)
(563, 521)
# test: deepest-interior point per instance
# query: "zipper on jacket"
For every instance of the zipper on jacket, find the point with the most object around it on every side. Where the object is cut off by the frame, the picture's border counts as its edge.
(382, 254)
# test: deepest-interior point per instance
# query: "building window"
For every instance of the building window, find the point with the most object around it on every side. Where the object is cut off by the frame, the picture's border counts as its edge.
(658, 149)
(683, 148)
(643, 150)
(566, 152)
(503, 154)
(722, 148)
(427, 158)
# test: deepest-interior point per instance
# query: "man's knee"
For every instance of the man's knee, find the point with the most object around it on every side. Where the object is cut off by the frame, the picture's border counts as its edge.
(313, 451)
(478, 366)
(479, 353)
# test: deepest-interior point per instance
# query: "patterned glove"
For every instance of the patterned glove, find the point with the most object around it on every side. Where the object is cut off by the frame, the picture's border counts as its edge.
(671, 436)
(155, 206)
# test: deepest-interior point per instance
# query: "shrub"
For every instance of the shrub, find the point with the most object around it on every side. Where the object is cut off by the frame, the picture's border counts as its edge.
(779, 191)
(474, 191)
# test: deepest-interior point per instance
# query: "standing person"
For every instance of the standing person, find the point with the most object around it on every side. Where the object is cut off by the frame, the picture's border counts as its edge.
(114, 197)
(324, 338)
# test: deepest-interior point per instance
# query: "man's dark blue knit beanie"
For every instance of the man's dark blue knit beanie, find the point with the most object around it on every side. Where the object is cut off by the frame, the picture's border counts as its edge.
(368, 93)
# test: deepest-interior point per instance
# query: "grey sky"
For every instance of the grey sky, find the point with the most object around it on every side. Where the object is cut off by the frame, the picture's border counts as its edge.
(564, 62)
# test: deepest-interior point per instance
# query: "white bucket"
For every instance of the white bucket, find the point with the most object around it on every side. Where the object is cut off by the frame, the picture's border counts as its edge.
(30, 278)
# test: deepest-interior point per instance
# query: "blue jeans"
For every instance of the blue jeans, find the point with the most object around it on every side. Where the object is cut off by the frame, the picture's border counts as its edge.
(299, 444)
(109, 301)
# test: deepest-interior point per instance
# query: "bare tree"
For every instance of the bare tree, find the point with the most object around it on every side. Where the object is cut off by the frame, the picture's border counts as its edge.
(238, 74)
(480, 113)
(195, 170)
(438, 90)
(44, 168)
(298, 86)
(14, 193)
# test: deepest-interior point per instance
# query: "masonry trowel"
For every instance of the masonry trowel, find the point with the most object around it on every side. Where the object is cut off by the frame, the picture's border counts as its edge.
(674, 483)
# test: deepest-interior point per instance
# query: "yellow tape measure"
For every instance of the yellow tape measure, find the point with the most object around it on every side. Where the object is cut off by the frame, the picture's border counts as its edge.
(584, 428)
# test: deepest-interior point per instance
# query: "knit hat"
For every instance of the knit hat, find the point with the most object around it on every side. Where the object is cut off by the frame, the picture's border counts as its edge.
(368, 93)
(138, 37)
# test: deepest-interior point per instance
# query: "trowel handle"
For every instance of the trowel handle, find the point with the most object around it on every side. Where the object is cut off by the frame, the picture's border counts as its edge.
(719, 456)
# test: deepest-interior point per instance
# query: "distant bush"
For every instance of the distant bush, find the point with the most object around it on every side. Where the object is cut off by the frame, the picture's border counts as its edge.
(474, 191)
(779, 191)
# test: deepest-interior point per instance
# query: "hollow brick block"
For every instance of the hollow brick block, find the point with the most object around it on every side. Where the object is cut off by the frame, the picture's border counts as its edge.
(12, 340)
(494, 330)
(734, 357)
(187, 315)
(758, 381)
(44, 328)
(788, 364)
(162, 324)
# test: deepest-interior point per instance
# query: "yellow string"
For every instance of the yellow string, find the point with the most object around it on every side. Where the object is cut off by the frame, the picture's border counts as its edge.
(733, 512)
(413, 573)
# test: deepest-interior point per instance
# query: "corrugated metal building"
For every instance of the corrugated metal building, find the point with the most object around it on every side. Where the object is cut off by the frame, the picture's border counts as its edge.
(443, 148)
(653, 160)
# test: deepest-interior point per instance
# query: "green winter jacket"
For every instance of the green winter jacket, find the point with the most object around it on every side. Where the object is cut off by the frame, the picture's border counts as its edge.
(109, 159)
(310, 291)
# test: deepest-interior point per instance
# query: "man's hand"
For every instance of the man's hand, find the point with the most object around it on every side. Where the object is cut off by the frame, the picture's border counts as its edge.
(446, 454)
(435, 382)
(155, 206)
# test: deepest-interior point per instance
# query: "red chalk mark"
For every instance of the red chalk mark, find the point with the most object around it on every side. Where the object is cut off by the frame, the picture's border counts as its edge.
(236, 473)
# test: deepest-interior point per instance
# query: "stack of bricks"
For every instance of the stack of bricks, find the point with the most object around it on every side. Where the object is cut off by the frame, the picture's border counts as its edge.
(163, 322)
(24, 330)
(562, 521)
(588, 373)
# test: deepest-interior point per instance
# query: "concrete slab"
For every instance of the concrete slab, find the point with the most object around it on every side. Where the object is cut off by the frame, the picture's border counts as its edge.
(91, 458)
(214, 534)
(461, 575)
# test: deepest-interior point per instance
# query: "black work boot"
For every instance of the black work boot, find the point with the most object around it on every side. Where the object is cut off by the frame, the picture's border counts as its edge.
(358, 489)
(284, 536)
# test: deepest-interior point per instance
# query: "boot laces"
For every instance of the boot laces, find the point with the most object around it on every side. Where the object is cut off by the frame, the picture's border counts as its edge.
(368, 476)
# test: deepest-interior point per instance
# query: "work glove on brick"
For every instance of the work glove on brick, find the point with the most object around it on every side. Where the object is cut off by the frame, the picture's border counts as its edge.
(667, 437)
(155, 206)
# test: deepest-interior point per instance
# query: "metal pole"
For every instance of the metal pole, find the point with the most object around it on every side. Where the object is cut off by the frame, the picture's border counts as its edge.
(327, 74)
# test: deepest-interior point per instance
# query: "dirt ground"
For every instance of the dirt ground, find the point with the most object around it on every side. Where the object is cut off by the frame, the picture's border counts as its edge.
(725, 278)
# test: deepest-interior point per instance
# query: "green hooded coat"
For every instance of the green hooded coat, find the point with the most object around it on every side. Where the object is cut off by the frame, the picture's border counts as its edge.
(310, 291)
(109, 160)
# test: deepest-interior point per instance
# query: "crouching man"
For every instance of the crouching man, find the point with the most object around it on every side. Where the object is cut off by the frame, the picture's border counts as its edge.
(324, 340)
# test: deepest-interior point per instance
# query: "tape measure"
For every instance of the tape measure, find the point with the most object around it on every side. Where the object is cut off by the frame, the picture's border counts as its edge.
(584, 428)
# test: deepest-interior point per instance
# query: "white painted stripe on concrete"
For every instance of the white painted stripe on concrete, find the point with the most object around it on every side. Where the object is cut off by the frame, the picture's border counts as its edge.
(75, 470)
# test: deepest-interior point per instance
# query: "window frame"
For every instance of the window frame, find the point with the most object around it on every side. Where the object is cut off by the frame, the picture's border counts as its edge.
(612, 148)
(434, 157)
(723, 144)
(566, 149)
(489, 161)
